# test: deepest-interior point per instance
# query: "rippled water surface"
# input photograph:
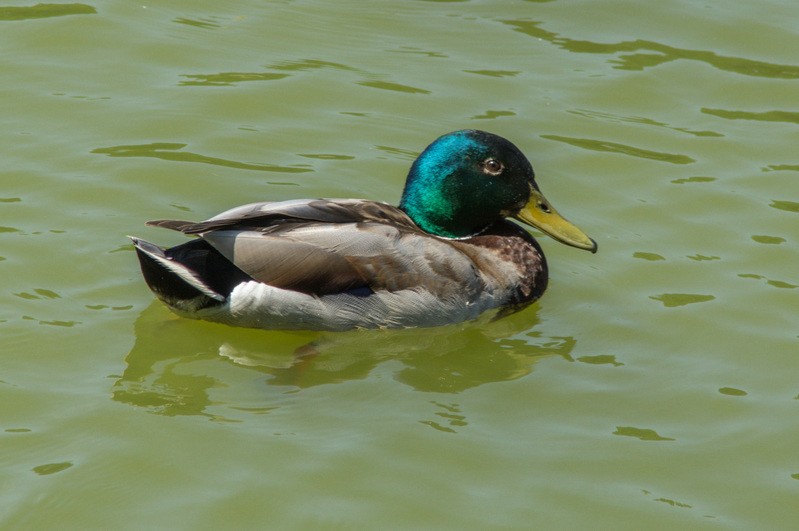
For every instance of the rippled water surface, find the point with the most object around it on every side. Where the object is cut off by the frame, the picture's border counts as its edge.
(654, 386)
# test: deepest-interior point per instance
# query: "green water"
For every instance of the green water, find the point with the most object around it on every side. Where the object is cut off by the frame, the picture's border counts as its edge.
(654, 386)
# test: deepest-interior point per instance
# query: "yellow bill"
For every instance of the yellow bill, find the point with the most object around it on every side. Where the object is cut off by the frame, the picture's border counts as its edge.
(540, 214)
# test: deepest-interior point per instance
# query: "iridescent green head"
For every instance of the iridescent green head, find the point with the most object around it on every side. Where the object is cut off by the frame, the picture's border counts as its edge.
(467, 180)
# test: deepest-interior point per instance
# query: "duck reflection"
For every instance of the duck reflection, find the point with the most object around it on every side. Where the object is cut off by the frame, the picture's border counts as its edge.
(176, 364)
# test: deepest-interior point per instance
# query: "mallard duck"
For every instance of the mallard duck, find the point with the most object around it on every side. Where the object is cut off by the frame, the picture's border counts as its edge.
(445, 255)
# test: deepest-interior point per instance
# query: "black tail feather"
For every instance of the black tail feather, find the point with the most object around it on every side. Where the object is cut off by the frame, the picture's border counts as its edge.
(190, 276)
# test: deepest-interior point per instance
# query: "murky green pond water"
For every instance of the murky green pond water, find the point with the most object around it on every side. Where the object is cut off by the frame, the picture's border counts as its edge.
(654, 386)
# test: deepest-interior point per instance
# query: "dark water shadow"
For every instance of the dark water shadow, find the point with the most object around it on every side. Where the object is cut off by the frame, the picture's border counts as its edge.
(44, 11)
(641, 54)
(640, 120)
(172, 151)
(232, 78)
(175, 363)
(284, 69)
(767, 116)
(613, 147)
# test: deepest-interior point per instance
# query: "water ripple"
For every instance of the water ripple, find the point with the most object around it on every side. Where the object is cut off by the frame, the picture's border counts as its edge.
(782, 167)
(494, 73)
(51, 468)
(770, 240)
(651, 257)
(198, 23)
(613, 147)
(44, 11)
(640, 120)
(768, 116)
(399, 152)
(223, 79)
(695, 179)
(326, 156)
(732, 391)
(310, 64)
(490, 115)
(171, 151)
(631, 55)
(672, 300)
(773, 283)
(644, 434)
(226, 79)
(787, 206)
(395, 87)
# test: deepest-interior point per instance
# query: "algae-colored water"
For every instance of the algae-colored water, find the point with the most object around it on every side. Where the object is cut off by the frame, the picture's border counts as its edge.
(654, 386)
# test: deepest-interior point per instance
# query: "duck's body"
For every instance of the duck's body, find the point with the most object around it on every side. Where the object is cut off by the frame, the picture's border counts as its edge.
(339, 264)
(445, 255)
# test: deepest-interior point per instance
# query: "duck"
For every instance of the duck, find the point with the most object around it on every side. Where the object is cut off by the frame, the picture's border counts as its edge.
(447, 254)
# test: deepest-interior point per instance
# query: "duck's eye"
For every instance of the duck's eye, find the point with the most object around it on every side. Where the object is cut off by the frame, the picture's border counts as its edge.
(492, 167)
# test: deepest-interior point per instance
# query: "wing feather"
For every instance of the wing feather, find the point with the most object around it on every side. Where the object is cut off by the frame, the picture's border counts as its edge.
(332, 246)
(286, 263)
(258, 215)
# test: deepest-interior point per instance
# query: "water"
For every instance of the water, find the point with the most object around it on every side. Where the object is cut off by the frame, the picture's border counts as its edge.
(654, 385)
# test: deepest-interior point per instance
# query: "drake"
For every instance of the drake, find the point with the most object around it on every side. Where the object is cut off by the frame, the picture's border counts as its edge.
(445, 255)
